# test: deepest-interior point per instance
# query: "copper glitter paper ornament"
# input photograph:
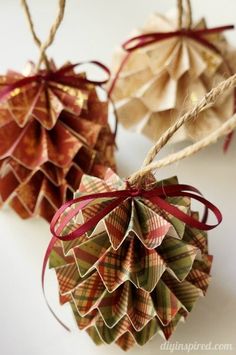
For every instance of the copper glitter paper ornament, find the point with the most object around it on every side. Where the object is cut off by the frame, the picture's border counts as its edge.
(53, 128)
(50, 134)
(161, 81)
(137, 273)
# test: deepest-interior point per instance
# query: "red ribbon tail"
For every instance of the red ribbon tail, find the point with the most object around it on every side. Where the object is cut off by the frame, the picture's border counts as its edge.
(205, 215)
(227, 142)
(110, 100)
(117, 75)
(45, 261)
(116, 119)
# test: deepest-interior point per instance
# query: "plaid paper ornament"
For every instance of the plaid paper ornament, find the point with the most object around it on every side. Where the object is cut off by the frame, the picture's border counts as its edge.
(161, 81)
(137, 273)
(51, 132)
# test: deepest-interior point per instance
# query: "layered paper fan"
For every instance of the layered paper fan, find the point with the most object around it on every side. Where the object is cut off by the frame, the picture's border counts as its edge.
(161, 81)
(138, 273)
(45, 147)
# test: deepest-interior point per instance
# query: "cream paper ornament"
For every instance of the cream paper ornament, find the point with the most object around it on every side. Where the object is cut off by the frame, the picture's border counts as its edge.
(155, 84)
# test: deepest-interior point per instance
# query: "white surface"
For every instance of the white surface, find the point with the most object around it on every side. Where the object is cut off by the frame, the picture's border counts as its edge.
(91, 30)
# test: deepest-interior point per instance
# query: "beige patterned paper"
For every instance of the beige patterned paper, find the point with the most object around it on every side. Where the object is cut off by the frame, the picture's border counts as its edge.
(161, 81)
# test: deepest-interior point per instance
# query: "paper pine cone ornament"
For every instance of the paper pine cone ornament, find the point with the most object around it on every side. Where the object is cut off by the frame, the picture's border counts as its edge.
(154, 84)
(53, 128)
(137, 273)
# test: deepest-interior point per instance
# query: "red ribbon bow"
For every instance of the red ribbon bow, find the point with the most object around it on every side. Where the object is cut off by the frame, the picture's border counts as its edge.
(59, 76)
(157, 196)
(195, 34)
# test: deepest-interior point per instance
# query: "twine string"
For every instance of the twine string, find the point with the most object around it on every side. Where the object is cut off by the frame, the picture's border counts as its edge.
(224, 129)
(189, 14)
(208, 100)
(180, 13)
(180, 8)
(52, 33)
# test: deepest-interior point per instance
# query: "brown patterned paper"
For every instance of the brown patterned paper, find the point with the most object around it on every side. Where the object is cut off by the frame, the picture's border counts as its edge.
(47, 145)
(137, 273)
(161, 81)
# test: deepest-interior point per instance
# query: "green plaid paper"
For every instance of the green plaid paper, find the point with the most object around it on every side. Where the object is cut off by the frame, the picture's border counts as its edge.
(136, 274)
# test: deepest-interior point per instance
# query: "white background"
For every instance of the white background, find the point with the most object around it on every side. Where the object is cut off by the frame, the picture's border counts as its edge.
(91, 29)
